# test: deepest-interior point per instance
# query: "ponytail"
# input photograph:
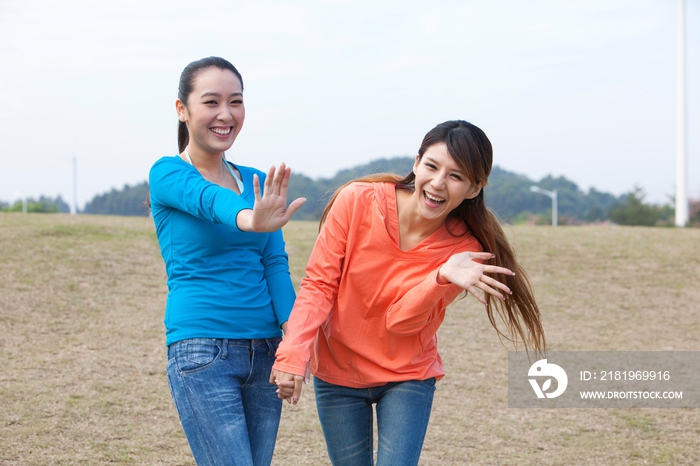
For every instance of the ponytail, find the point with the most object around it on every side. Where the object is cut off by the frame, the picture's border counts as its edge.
(183, 136)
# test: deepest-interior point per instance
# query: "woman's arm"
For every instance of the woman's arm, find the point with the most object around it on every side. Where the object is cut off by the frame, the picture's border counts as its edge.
(276, 271)
(319, 289)
(423, 303)
(175, 184)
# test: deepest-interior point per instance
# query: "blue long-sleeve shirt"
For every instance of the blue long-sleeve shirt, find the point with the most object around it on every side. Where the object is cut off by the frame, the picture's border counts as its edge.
(222, 282)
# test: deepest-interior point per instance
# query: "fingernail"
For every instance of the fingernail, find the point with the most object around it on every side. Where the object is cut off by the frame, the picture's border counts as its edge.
(295, 400)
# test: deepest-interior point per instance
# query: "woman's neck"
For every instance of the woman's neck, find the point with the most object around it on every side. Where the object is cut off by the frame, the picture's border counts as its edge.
(413, 227)
(202, 160)
(213, 168)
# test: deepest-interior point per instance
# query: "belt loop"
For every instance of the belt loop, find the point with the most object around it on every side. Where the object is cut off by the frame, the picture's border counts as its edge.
(270, 348)
(224, 348)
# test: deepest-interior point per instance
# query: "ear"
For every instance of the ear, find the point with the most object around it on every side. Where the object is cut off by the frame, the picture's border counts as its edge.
(181, 110)
(415, 164)
(474, 191)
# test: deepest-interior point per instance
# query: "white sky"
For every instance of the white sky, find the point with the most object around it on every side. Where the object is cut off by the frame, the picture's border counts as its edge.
(582, 88)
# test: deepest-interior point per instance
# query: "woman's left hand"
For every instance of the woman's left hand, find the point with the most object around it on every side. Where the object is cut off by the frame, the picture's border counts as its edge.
(270, 211)
(462, 270)
(288, 385)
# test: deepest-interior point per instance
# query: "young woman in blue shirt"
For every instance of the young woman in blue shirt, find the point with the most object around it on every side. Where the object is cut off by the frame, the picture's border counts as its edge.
(229, 289)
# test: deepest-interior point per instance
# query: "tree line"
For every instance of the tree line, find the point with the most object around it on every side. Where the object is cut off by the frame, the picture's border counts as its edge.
(508, 195)
(43, 204)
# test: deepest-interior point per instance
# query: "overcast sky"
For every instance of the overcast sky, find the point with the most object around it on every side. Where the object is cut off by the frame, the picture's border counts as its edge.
(582, 88)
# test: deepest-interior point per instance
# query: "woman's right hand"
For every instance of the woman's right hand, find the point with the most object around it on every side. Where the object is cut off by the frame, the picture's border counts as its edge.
(270, 211)
(462, 270)
(288, 385)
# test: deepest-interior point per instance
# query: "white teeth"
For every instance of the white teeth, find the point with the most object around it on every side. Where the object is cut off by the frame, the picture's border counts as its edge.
(433, 198)
(221, 131)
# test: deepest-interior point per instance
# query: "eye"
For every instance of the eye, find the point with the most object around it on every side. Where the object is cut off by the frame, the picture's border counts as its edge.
(237, 102)
(210, 102)
(430, 165)
(457, 177)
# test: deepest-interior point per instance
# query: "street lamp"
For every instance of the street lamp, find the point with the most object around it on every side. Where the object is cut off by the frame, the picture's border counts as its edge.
(553, 195)
(22, 198)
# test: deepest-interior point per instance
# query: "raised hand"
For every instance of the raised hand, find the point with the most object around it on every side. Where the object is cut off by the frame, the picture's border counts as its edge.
(462, 270)
(270, 211)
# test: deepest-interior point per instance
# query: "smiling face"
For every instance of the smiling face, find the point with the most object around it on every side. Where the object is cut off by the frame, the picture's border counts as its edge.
(214, 111)
(440, 183)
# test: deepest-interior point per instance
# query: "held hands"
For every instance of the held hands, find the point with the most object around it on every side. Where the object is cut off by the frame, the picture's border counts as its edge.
(288, 385)
(270, 211)
(463, 271)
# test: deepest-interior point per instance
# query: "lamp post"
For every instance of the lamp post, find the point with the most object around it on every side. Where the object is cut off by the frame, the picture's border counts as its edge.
(22, 198)
(553, 195)
(681, 154)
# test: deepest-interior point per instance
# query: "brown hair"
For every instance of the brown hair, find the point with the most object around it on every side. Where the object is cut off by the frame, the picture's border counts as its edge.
(471, 149)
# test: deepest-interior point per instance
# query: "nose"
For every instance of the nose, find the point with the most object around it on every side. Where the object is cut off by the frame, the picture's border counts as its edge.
(224, 113)
(438, 181)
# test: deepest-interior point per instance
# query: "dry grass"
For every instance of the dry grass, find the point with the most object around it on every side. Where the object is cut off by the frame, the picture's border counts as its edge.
(83, 379)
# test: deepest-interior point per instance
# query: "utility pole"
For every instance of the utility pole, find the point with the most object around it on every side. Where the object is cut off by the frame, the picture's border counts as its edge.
(681, 156)
(74, 207)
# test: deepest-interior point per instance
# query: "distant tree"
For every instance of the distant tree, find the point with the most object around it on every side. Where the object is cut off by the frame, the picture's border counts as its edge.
(694, 212)
(598, 205)
(43, 205)
(595, 214)
(303, 186)
(397, 165)
(509, 196)
(63, 207)
(318, 192)
(129, 201)
(633, 211)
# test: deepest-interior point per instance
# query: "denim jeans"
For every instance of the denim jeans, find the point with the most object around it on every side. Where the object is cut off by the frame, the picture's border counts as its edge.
(228, 409)
(403, 412)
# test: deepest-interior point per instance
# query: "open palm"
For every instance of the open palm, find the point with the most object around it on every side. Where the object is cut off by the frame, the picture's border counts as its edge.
(270, 210)
(462, 270)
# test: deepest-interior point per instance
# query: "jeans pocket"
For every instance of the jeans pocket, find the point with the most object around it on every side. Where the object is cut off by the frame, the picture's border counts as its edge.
(197, 354)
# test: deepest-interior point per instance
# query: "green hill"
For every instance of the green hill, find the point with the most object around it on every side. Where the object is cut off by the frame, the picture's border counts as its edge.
(507, 194)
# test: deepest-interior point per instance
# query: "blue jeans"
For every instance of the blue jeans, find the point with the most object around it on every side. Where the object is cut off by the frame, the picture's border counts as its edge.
(403, 412)
(229, 410)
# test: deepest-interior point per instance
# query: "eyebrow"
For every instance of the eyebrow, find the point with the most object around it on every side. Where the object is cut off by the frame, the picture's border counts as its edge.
(216, 94)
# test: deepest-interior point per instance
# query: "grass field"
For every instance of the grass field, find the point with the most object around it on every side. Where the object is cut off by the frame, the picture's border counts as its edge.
(83, 378)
